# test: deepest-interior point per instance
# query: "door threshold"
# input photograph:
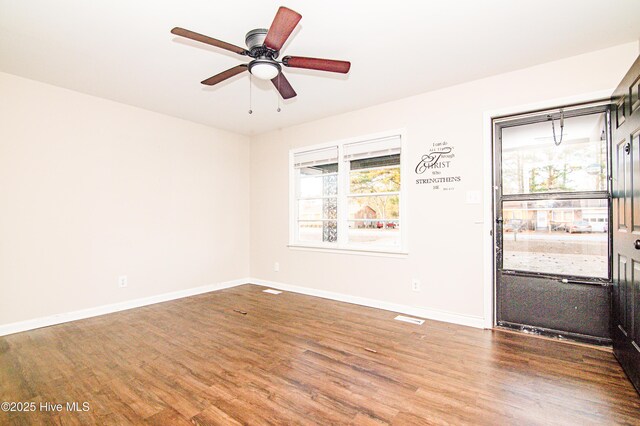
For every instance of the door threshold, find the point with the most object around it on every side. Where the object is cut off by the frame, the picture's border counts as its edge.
(537, 335)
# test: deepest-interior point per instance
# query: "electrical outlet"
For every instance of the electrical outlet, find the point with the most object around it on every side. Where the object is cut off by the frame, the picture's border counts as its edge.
(122, 281)
(415, 285)
(276, 267)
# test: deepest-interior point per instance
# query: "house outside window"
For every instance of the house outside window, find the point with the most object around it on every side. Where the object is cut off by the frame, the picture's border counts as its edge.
(349, 195)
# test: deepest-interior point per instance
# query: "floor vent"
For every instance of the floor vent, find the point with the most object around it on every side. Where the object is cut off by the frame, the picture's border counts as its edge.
(272, 291)
(410, 320)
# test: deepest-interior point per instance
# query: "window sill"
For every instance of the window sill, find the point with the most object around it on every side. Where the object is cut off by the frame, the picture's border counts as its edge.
(351, 251)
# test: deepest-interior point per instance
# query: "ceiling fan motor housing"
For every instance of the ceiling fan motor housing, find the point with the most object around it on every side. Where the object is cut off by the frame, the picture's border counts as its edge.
(255, 38)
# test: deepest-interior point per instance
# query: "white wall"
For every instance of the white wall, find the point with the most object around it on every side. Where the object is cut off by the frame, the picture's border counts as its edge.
(91, 189)
(445, 233)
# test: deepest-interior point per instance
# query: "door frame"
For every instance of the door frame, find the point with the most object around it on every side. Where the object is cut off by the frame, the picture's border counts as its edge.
(489, 275)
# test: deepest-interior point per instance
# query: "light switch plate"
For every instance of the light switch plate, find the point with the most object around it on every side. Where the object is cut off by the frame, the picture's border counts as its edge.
(474, 197)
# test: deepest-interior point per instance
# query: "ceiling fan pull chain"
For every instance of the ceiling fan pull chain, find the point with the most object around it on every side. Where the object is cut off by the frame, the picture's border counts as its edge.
(553, 127)
(250, 100)
(278, 94)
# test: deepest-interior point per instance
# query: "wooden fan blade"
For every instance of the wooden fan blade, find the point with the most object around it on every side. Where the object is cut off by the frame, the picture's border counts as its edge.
(208, 40)
(281, 28)
(283, 86)
(225, 75)
(317, 64)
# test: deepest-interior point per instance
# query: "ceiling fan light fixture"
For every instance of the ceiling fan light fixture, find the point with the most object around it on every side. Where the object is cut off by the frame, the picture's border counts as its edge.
(264, 69)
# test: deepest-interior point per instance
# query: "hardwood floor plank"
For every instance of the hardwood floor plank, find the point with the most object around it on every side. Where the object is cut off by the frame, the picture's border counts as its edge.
(213, 416)
(168, 416)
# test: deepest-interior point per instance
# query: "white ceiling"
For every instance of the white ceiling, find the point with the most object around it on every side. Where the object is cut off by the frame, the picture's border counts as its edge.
(122, 49)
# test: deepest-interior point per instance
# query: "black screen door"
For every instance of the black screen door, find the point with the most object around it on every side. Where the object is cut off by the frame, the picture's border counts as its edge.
(552, 234)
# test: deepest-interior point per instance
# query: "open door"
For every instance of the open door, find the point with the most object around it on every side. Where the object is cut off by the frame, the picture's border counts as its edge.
(552, 212)
(625, 124)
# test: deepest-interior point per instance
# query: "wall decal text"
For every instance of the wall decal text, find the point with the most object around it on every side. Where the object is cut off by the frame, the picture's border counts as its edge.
(434, 164)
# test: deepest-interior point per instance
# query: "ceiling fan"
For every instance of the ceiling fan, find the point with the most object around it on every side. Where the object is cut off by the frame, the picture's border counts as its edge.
(264, 47)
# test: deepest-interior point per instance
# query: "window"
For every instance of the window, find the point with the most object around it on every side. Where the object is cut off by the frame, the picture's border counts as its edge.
(554, 200)
(349, 196)
(316, 195)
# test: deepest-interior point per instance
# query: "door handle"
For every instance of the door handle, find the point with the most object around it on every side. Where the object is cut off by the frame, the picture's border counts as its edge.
(637, 244)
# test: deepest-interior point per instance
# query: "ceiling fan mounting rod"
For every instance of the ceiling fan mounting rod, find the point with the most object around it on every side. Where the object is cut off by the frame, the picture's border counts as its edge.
(262, 52)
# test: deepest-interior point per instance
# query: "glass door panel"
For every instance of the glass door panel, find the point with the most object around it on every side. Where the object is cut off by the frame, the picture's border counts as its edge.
(563, 237)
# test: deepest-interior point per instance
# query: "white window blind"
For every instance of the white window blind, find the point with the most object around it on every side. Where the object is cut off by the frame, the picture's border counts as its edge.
(372, 148)
(316, 157)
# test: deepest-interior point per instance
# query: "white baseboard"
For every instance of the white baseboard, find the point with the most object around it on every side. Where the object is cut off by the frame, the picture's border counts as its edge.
(17, 327)
(432, 314)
